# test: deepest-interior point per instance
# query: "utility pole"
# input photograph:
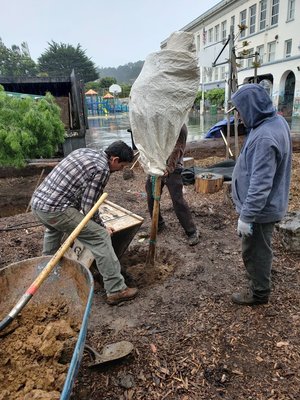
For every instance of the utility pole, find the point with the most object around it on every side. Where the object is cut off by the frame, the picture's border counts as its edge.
(202, 92)
(255, 66)
(232, 87)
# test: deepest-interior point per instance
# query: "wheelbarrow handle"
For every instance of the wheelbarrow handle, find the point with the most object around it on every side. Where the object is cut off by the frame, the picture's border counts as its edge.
(50, 266)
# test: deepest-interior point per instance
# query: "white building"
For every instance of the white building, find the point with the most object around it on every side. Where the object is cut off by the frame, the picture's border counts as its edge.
(270, 30)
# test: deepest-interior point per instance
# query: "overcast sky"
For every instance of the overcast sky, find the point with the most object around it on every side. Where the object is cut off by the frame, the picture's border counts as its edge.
(112, 32)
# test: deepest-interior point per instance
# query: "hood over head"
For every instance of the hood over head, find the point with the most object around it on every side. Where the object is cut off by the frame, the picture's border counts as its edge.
(253, 104)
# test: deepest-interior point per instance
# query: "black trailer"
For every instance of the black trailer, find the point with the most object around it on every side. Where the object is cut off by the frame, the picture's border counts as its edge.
(69, 95)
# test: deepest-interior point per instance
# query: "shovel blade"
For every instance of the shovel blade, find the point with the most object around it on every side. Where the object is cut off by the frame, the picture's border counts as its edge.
(112, 352)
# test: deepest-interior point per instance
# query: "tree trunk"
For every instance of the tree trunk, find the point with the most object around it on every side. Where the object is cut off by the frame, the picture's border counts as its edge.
(208, 183)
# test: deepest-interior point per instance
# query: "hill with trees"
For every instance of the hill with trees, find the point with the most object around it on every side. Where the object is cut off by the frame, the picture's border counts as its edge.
(124, 74)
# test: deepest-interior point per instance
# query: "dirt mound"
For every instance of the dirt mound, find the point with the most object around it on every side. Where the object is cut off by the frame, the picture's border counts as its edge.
(36, 352)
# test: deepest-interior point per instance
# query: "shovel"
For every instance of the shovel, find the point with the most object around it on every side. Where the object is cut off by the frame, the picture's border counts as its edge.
(110, 352)
(50, 266)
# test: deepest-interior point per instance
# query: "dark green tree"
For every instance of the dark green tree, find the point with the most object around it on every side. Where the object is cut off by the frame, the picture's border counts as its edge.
(216, 96)
(60, 59)
(198, 98)
(106, 82)
(125, 90)
(16, 62)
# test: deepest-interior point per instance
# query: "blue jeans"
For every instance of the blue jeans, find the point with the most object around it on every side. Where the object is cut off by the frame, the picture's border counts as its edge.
(94, 236)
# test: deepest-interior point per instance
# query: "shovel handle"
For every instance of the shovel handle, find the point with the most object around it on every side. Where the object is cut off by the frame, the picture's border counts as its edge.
(50, 266)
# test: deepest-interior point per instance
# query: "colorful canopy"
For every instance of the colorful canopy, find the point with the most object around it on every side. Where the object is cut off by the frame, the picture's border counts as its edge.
(91, 92)
(108, 96)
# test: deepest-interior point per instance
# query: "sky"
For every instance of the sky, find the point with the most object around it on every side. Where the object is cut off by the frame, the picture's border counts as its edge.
(111, 32)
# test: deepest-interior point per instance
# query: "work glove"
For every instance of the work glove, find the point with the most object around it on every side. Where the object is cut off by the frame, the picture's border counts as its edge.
(244, 228)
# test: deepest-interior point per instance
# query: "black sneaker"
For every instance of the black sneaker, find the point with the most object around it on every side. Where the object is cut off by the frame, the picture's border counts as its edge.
(248, 299)
(193, 239)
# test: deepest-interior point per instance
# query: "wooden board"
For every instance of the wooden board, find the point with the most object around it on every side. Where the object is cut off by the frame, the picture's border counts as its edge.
(125, 225)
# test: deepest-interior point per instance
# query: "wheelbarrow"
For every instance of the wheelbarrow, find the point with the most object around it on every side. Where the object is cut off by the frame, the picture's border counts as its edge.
(69, 283)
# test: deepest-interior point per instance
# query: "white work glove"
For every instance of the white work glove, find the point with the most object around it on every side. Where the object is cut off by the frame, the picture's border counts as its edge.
(244, 228)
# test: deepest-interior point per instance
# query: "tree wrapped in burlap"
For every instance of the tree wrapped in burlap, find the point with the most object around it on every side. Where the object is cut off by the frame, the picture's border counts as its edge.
(161, 98)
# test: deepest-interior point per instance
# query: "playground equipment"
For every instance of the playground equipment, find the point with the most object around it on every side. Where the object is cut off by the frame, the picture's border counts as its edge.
(108, 104)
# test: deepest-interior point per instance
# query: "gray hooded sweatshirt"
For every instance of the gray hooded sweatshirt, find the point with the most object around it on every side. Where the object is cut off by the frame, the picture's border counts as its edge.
(261, 177)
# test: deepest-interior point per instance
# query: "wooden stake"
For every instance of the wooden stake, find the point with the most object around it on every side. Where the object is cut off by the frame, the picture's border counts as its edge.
(226, 144)
(153, 234)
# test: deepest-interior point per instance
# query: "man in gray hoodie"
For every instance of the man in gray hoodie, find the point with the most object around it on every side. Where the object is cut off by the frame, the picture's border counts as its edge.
(260, 186)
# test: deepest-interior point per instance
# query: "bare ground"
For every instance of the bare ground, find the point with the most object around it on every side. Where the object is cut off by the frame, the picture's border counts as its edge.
(190, 341)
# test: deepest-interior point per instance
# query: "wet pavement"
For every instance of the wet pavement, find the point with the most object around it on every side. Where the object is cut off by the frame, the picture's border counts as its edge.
(103, 130)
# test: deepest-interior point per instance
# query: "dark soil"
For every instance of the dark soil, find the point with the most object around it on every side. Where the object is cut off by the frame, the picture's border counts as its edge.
(190, 341)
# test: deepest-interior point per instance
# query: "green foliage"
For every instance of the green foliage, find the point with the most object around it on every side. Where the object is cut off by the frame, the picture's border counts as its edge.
(216, 96)
(105, 83)
(95, 85)
(16, 62)
(28, 129)
(60, 59)
(125, 90)
(198, 98)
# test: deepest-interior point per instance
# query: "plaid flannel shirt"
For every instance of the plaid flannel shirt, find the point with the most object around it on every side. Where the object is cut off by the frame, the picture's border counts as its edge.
(77, 181)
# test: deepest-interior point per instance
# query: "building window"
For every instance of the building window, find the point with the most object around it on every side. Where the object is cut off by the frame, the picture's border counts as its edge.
(208, 73)
(217, 33)
(243, 16)
(274, 12)
(262, 14)
(240, 60)
(216, 74)
(288, 48)
(223, 73)
(291, 10)
(232, 22)
(210, 35)
(198, 42)
(252, 19)
(224, 27)
(204, 36)
(260, 51)
(271, 51)
(250, 58)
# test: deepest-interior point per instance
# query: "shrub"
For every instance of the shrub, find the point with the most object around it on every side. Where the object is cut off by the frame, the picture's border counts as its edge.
(29, 128)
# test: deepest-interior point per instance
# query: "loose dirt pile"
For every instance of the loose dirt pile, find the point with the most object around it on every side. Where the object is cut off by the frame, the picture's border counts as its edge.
(191, 342)
(35, 353)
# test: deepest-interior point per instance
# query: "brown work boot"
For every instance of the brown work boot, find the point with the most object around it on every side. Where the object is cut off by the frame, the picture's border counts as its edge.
(248, 299)
(121, 295)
